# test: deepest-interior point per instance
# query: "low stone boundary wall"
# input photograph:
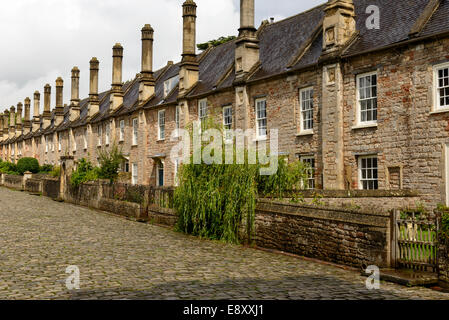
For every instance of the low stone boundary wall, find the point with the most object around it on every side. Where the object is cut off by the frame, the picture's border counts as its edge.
(365, 200)
(341, 236)
(33, 185)
(11, 181)
(51, 188)
(162, 216)
(122, 208)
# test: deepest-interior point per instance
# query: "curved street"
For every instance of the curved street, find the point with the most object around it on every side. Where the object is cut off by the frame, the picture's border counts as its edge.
(123, 259)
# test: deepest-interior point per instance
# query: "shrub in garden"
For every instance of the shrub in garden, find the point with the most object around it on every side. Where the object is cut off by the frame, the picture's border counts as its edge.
(110, 161)
(46, 168)
(27, 164)
(215, 200)
(8, 168)
(85, 172)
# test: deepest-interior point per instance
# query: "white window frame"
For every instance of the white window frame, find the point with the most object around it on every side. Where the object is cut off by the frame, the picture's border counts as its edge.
(302, 104)
(161, 125)
(360, 172)
(202, 111)
(135, 131)
(227, 124)
(134, 173)
(259, 119)
(100, 135)
(359, 106)
(46, 144)
(436, 88)
(107, 133)
(59, 142)
(311, 171)
(122, 130)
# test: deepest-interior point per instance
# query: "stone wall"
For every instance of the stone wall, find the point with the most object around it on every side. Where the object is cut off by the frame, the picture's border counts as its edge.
(50, 188)
(33, 185)
(348, 237)
(443, 261)
(12, 181)
(365, 200)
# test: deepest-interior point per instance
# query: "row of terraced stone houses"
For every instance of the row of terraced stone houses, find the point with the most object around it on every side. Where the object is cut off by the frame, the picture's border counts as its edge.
(358, 89)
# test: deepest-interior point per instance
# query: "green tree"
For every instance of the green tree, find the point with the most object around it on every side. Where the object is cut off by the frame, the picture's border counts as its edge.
(27, 164)
(214, 43)
(110, 161)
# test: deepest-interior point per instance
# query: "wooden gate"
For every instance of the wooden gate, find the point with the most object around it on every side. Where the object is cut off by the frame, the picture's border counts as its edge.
(416, 242)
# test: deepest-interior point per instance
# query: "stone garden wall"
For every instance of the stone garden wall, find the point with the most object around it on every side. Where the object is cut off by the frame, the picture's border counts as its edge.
(341, 236)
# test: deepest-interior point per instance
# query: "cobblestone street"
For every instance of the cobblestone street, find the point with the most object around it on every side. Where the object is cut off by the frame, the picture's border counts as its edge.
(122, 259)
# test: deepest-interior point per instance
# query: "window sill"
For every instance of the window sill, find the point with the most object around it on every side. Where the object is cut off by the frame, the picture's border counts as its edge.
(364, 126)
(438, 111)
(305, 133)
(160, 140)
(260, 139)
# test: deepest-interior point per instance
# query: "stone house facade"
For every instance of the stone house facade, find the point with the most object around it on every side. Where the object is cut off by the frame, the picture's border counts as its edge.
(358, 89)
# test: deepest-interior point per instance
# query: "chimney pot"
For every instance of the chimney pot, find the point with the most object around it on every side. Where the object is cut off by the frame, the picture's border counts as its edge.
(59, 93)
(117, 65)
(93, 91)
(47, 113)
(27, 112)
(36, 117)
(146, 88)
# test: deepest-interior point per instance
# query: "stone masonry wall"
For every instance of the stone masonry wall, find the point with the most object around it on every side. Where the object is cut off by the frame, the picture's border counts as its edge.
(346, 237)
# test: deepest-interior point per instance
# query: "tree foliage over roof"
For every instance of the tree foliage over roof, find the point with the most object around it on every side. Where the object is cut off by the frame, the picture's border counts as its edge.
(215, 43)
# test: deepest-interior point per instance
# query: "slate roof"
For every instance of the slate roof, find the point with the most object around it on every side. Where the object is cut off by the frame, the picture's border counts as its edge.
(281, 44)
(280, 41)
(438, 22)
(397, 17)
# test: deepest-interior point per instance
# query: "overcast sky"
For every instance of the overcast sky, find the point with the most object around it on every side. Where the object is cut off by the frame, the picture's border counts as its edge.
(44, 39)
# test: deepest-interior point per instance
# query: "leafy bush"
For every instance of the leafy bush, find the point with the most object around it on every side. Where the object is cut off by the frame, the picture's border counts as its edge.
(8, 168)
(289, 178)
(56, 172)
(46, 168)
(110, 161)
(444, 225)
(215, 43)
(27, 164)
(85, 172)
(217, 201)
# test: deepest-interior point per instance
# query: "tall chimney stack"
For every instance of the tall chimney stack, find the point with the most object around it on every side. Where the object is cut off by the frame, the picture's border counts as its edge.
(5, 125)
(36, 116)
(247, 44)
(147, 82)
(27, 122)
(12, 121)
(19, 129)
(116, 99)
(75, 100)
(59, 110)
(94, 103)
(189, 72)
(46, 115)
